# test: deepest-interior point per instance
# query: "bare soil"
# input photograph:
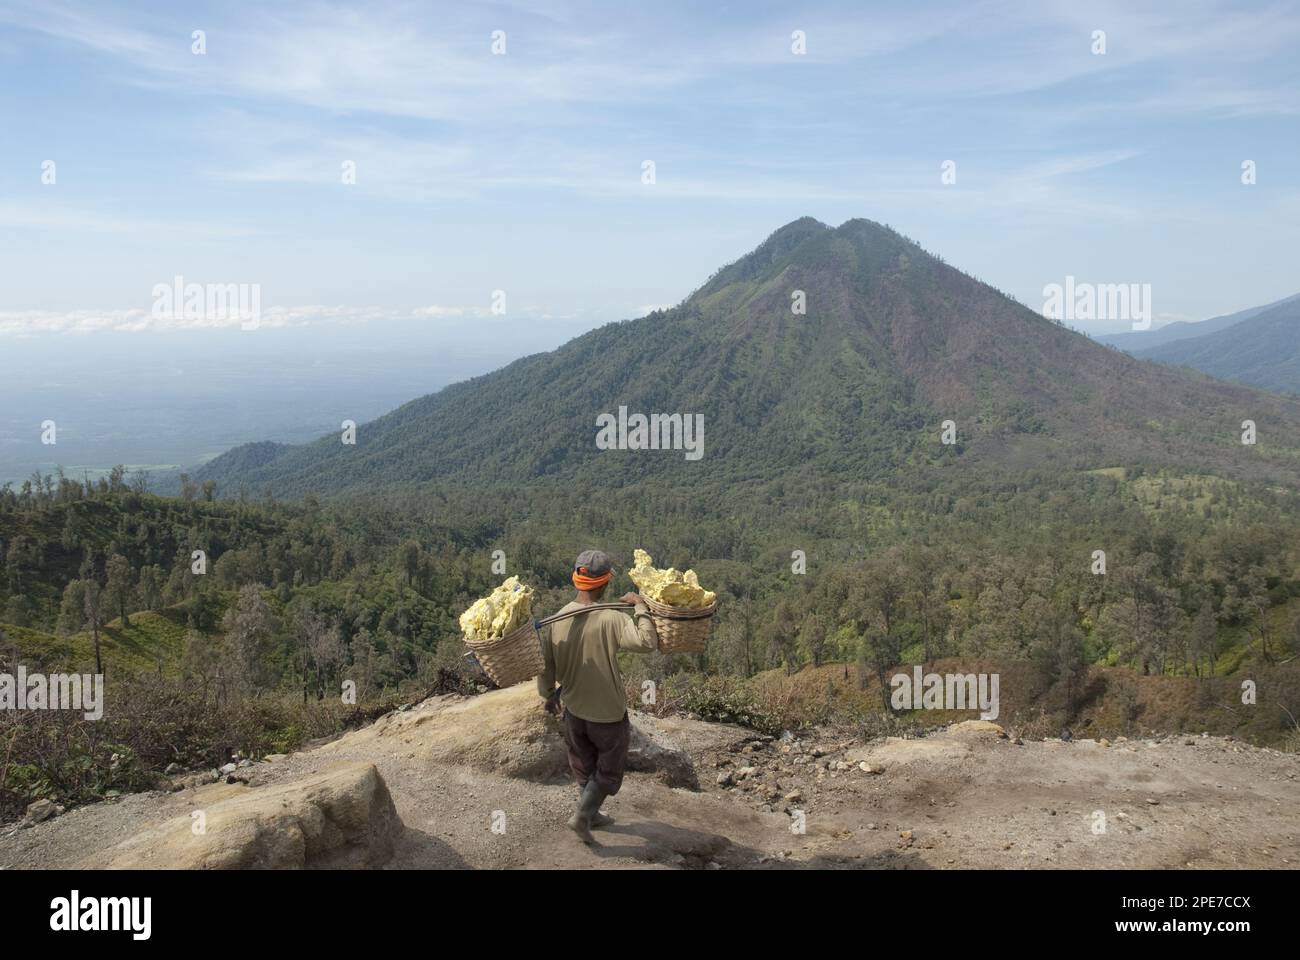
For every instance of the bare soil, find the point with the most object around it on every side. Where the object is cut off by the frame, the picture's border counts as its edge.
(963, 797)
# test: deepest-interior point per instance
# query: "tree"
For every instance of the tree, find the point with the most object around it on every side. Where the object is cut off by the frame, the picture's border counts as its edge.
(18, 611)
(1145, 621)
(1204, 641)
(365, 660)
(72, 610)
(734, 650)
(410, 557)
(200, 659)
(119, 587)
(1249, 601)
(879, 651)
(70, 539)
(320, 648)
(871, 607)
(779, 636)
(927, 595)
(92, 606)
(249, 627)
(1062, 651)
(117, 479)
(812, 638)
(150, 586)
(15, 559)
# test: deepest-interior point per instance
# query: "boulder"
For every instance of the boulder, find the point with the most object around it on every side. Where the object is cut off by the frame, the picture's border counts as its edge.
(42, 810)
(976, 728)
(507, 732)
(341, 818)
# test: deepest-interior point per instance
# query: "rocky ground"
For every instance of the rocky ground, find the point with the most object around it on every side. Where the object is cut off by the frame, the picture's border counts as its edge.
(480, 782)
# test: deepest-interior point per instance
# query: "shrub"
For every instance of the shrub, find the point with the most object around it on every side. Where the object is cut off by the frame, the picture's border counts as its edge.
(722, 699)
(148, 724)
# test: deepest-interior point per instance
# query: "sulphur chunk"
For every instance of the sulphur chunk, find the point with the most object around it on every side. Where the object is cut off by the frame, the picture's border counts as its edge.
(669, 586)
(506, 608)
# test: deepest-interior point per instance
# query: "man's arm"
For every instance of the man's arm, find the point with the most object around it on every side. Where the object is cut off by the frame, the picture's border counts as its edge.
(637, 633)
(546, 679)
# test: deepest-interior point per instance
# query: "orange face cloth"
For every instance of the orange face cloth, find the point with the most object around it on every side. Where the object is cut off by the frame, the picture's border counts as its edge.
(584, 582)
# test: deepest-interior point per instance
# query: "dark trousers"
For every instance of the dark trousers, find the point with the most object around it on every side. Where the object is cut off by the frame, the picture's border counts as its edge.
(598, 750)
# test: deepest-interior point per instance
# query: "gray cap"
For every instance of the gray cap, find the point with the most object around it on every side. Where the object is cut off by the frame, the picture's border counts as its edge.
(596, 562)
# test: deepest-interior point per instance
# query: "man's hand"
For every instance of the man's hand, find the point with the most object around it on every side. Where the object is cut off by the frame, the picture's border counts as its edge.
(552, 704)
(632, 598)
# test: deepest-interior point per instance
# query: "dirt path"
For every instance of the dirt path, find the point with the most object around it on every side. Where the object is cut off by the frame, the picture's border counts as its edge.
(961, 798)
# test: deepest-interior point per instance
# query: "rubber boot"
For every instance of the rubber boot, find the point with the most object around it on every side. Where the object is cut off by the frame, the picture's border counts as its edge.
(598, 819)
(588, 804)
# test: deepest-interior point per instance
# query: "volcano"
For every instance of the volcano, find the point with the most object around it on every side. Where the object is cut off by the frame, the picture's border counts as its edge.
(825, 353)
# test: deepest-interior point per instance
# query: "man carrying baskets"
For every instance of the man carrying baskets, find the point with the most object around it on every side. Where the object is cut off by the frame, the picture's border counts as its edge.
(581, 654)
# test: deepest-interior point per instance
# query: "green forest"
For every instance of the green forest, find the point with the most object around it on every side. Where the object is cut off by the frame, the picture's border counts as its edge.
(250, 649)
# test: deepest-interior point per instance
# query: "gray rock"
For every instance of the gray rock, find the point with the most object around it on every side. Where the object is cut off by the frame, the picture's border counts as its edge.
(42, 810)
(342, 818)
(228, 768)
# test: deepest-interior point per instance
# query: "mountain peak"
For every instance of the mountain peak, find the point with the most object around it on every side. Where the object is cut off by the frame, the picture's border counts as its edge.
(772, 251)
(888, 343)
(804, 225)
(862, 225)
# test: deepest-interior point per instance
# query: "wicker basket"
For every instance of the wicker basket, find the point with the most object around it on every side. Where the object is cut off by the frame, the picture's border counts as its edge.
(681, 630)
(511, 659)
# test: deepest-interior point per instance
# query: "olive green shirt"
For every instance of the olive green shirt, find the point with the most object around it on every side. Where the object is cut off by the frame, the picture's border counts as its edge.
(582, 654)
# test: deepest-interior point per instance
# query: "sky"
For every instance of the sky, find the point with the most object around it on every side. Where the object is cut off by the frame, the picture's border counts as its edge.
(521, 169)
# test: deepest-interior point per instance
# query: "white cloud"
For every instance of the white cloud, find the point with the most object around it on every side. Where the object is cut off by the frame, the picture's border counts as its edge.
(27, 323)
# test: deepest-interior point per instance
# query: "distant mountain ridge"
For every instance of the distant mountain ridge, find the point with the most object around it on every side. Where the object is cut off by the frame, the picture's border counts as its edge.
(1262, 350)
(1140, 342)
(891, 343)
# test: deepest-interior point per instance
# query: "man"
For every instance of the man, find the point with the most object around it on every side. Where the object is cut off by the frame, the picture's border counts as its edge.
(582, 654)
